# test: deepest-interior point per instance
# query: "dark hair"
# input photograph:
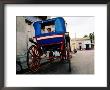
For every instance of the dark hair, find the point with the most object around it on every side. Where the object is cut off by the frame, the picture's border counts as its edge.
(49, 29)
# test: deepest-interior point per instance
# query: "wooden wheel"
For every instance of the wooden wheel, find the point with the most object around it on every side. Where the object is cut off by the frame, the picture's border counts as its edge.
(33, 60)
(67, 55)
(67, 51)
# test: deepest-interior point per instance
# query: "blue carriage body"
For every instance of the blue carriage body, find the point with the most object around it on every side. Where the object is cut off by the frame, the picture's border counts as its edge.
(54, 44)
(52, 37)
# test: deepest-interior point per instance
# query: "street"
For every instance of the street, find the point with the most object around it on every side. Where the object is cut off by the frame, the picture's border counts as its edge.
(81, 63)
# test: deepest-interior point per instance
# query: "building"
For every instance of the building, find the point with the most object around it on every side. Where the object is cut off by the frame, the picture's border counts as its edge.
(24, 31)
(81, 44)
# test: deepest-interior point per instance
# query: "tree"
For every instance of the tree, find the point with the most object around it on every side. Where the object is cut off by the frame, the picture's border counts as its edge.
(91, 36)
(85, 36)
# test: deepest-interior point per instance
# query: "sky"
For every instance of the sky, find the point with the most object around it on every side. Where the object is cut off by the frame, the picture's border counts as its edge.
(78, 26)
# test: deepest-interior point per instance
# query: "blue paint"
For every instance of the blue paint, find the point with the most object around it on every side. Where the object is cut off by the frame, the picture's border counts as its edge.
(59, 29)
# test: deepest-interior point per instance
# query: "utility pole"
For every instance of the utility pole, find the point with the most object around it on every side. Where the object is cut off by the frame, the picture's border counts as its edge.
(75, 41)
(75, 36)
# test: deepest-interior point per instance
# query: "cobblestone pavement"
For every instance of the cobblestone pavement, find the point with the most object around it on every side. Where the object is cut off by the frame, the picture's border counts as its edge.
(81, 63)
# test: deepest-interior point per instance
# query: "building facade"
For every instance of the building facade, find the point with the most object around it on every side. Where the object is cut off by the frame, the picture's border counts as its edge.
(24, 31)
(81, 44)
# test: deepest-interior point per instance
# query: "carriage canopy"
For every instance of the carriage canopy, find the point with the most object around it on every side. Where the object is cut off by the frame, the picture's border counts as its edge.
(57, 24)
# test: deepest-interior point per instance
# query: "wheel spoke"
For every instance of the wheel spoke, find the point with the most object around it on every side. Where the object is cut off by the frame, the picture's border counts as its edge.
(33, 60)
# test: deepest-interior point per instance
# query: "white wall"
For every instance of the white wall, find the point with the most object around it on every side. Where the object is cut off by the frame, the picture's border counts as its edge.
(23, 32)
(83, 43)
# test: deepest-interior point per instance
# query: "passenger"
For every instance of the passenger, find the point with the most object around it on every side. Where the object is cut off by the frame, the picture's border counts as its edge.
(44, 31)
(49, 30)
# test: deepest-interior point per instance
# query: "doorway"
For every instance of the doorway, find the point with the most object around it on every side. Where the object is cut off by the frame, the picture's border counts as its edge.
(87, 47)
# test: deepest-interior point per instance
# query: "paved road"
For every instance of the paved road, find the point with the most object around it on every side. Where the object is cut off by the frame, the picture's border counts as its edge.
(81, 63)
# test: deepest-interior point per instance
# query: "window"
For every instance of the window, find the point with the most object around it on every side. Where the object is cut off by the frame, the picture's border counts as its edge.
(47, 27)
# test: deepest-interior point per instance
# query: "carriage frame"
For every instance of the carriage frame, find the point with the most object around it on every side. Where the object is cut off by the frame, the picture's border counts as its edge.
(57, 41)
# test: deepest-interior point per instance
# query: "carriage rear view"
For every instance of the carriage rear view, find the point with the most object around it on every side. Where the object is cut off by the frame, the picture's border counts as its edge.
(51, 42)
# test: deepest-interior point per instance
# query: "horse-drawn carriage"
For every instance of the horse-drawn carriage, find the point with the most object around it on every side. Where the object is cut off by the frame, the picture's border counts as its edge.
(56, 39)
